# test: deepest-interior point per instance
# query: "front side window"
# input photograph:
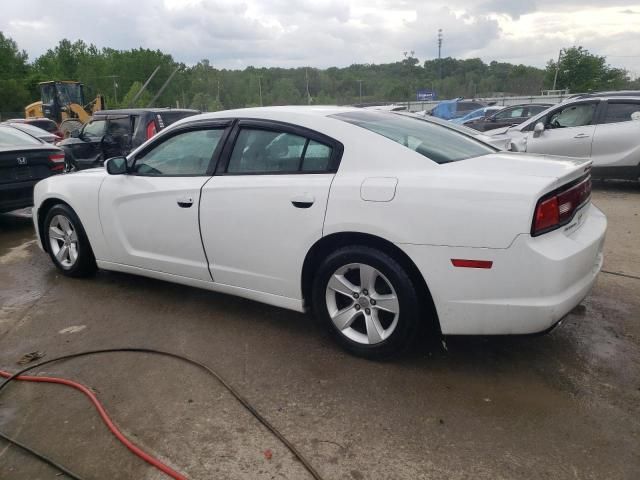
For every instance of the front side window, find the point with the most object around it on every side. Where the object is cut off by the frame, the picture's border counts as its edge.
(118, 126)
(436, 142)
(622, 112)
(187, 153)
(95, 128)
(572, 116)
(266, 151)
(510, 113)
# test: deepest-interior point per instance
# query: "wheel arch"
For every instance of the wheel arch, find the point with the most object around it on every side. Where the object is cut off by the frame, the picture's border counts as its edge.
(330, 243)
(43, 209)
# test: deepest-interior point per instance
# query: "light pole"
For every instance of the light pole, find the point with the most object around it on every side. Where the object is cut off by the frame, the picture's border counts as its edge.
(440, 53)
(360, 82)
(260, 88)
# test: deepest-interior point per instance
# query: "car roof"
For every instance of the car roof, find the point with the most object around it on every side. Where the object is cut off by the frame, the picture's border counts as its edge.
(138, 111)
(258, 112)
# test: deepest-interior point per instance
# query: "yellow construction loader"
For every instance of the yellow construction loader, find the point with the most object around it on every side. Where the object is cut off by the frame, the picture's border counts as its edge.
(63, 102)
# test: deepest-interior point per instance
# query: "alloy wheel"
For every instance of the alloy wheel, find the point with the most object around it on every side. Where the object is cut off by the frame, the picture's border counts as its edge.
(63, 241)
(362, 303)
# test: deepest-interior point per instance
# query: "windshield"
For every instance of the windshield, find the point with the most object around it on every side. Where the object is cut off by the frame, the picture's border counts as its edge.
(10, 137)
(70, 93)
(438, 143)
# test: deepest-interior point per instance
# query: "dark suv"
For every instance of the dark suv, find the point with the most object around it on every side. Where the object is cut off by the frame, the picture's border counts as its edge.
(112, 133)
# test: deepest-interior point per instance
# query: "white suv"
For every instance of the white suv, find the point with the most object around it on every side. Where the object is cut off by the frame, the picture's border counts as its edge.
(605, 129)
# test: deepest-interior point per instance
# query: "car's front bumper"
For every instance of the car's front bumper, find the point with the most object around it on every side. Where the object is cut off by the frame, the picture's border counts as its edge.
(531, 286)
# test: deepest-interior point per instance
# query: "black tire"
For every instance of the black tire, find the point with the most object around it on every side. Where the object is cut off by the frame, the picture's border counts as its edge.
(408, 315)
(85, 263)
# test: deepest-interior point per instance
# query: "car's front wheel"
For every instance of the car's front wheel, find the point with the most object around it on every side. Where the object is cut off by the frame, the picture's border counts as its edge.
(367, 300)
(67, 242)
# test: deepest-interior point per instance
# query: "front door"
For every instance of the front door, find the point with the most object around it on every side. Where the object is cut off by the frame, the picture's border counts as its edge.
(264, 209)
(150, 215)
(568, 131)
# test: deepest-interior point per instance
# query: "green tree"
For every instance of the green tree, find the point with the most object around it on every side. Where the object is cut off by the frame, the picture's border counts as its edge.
(14, 70)
(581, 71)
(142, 101)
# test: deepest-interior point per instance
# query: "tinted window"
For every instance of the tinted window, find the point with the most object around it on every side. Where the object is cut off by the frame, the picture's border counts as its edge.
(10, 136)
(265, 151)
(187, 153)
(316, 157)
(47, 125)
(510, 113)
(572, 116)
(119, 126)
(440, 144)
(536, 109)
(622, 112)
(94, 128)
(167, 118)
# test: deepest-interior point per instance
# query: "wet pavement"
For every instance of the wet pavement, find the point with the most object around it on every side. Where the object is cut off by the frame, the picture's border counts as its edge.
(560, 406)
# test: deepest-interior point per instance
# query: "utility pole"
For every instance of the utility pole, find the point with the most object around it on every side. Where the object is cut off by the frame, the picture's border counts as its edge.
(260, 88)
(360, 82)
(555, 77)
(440, 53)
(306, 76)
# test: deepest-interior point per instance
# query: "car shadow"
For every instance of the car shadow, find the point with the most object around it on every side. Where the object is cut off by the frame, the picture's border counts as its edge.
(617, 186)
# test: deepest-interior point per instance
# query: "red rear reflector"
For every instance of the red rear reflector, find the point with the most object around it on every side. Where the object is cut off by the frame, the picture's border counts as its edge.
(459, 262)
(151, 129)
(57, 167)
(57, 158)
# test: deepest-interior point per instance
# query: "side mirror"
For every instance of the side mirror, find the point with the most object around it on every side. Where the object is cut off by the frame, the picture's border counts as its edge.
(538, 129)
(116, 165)
(75, 134)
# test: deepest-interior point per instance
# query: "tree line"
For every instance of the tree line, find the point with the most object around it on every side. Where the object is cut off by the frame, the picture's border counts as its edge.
(119, 75)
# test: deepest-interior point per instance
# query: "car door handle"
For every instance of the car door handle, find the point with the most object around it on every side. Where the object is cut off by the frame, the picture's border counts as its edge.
(581, 135)
(185, 202)
(302, 201)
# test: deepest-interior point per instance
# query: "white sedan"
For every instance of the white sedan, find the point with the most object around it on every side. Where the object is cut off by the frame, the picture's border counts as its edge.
(379, 223)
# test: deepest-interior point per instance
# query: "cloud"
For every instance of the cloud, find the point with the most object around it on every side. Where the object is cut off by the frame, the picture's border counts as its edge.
(235, 34)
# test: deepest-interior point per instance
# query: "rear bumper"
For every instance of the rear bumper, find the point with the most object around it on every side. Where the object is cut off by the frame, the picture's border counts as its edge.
(16, 195)
(531, 286)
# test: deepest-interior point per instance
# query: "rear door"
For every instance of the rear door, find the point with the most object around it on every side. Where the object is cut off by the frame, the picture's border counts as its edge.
(150, 215)
(616, 143)
(265, 207)
(569, 131)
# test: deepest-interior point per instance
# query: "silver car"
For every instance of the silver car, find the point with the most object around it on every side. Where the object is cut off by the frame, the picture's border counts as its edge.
(605, 129)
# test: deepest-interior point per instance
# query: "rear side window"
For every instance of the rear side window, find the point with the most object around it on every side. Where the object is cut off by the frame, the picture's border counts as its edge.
(266, 151)
(167, 118)
(622, 112)
(438, 143)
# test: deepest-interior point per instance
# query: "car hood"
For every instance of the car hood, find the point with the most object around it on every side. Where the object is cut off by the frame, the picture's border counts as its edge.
(508, 164)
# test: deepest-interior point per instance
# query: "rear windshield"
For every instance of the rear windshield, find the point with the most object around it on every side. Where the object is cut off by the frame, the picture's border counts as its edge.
(438, 143)
(11, 136)
(167, 118)
(48, 125)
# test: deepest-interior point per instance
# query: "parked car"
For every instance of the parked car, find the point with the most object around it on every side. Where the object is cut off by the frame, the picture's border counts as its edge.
(40, 122)
(116, 132)
(449, 109)
(496, 142)
(603, 129)
(377, 222)
(478, 114)
(24, 160)
(36, 132)
(508, 116)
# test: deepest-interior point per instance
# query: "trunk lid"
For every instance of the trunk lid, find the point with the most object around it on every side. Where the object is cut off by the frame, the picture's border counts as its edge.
(26, 163)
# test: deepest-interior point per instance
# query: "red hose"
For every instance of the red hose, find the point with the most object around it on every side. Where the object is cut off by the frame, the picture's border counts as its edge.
(105, 418)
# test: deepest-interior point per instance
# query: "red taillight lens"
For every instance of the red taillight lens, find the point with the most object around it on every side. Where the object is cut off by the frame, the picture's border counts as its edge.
(58, 162)
(559, 208)
(151, 129)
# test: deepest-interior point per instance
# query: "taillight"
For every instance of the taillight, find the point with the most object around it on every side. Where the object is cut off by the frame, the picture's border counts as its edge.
(558, 208)
(151, 129)
(58, 162)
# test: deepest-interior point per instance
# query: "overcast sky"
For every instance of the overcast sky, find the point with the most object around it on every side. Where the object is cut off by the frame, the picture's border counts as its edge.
(235, 34)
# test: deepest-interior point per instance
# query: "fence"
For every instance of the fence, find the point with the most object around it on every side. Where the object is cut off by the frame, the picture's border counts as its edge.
(505, 101)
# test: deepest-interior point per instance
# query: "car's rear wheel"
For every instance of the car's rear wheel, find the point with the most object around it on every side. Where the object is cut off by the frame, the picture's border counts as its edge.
(67, 242)
(367, 300)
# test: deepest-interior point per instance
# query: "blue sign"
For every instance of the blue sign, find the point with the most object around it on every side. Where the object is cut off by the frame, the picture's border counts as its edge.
(425, 95)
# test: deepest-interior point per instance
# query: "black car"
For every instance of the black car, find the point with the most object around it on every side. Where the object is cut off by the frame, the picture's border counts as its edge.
(513, 115)
(24, 160)
(111, 133)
